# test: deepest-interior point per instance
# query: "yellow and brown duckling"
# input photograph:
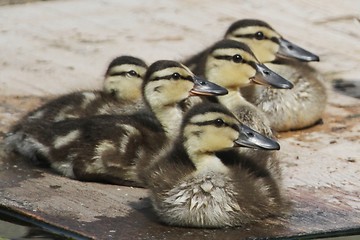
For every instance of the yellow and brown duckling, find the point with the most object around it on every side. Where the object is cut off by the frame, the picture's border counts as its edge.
(267, 44)
(233, 65)
(121, 94)
(191, 185)
(110, 147)
(297, 108)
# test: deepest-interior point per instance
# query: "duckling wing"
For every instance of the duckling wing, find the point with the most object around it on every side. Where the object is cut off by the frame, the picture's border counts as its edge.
(294, 108)
(69, 106)
(100, 148)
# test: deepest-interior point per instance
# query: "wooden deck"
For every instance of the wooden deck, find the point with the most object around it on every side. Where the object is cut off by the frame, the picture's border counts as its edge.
(68, 46)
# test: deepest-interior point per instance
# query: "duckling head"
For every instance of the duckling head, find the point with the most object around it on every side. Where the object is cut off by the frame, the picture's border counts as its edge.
(168, 83)
(267, 44)
(124, 77)
(233, 65)
(209, 127)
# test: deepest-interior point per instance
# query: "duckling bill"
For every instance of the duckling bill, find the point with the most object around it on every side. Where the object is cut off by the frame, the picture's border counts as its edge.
(264, 76)
(252, 139)
(290, 50)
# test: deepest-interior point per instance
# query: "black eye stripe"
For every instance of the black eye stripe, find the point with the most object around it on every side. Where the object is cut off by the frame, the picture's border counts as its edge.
(118, 74)
(273, 39)
(252, 64)
(213, 122)
(223, 57)
(168, 77)
(123, 74)
(230, 58)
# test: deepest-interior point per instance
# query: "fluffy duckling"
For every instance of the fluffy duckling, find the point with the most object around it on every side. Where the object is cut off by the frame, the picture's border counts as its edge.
(121, 94)
(193, 186)
(297, 108)
(233, 65)
(110, 147)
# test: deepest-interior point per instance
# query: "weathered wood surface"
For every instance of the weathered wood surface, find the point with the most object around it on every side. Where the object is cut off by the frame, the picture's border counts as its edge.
(68, 46)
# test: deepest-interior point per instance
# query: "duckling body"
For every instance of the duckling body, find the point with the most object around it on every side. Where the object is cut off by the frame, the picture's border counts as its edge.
(110, 147)
(284, 108)
(197, 184)
(296, 108)
(233, 65)
(83, 104)
(251, 116)
(121, 94)
(104, 148)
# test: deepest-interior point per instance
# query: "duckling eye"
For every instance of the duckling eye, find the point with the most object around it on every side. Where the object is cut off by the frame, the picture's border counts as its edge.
(237, 58)
(219, 122)
(259, 35)
(175, 76)
(132, 73)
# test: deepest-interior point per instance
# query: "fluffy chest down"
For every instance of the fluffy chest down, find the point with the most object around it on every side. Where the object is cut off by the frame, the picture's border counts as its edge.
(209, 200)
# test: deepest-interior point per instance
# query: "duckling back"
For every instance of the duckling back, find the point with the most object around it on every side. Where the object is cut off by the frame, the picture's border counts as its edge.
(121, 94)
(105, 148)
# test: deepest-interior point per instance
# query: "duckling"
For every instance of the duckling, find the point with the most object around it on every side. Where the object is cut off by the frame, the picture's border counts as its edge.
(300, 107)
(109, 148)
(233, 65)
(193, 186)
(121, 94)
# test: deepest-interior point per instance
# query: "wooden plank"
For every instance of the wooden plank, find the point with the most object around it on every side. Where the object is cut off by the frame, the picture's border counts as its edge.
(324, 193)
(68, 48)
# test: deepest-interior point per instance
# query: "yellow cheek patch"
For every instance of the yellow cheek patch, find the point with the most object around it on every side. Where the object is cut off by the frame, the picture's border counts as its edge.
(208, 138)
(265, 51)
(177, 90)
(228, 73)
(166, 92)
(233, 77)
(216, 139)
(124, 88)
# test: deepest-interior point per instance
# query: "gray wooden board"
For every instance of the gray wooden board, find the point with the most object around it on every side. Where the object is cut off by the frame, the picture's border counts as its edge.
(321, 180)
(103, 211)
